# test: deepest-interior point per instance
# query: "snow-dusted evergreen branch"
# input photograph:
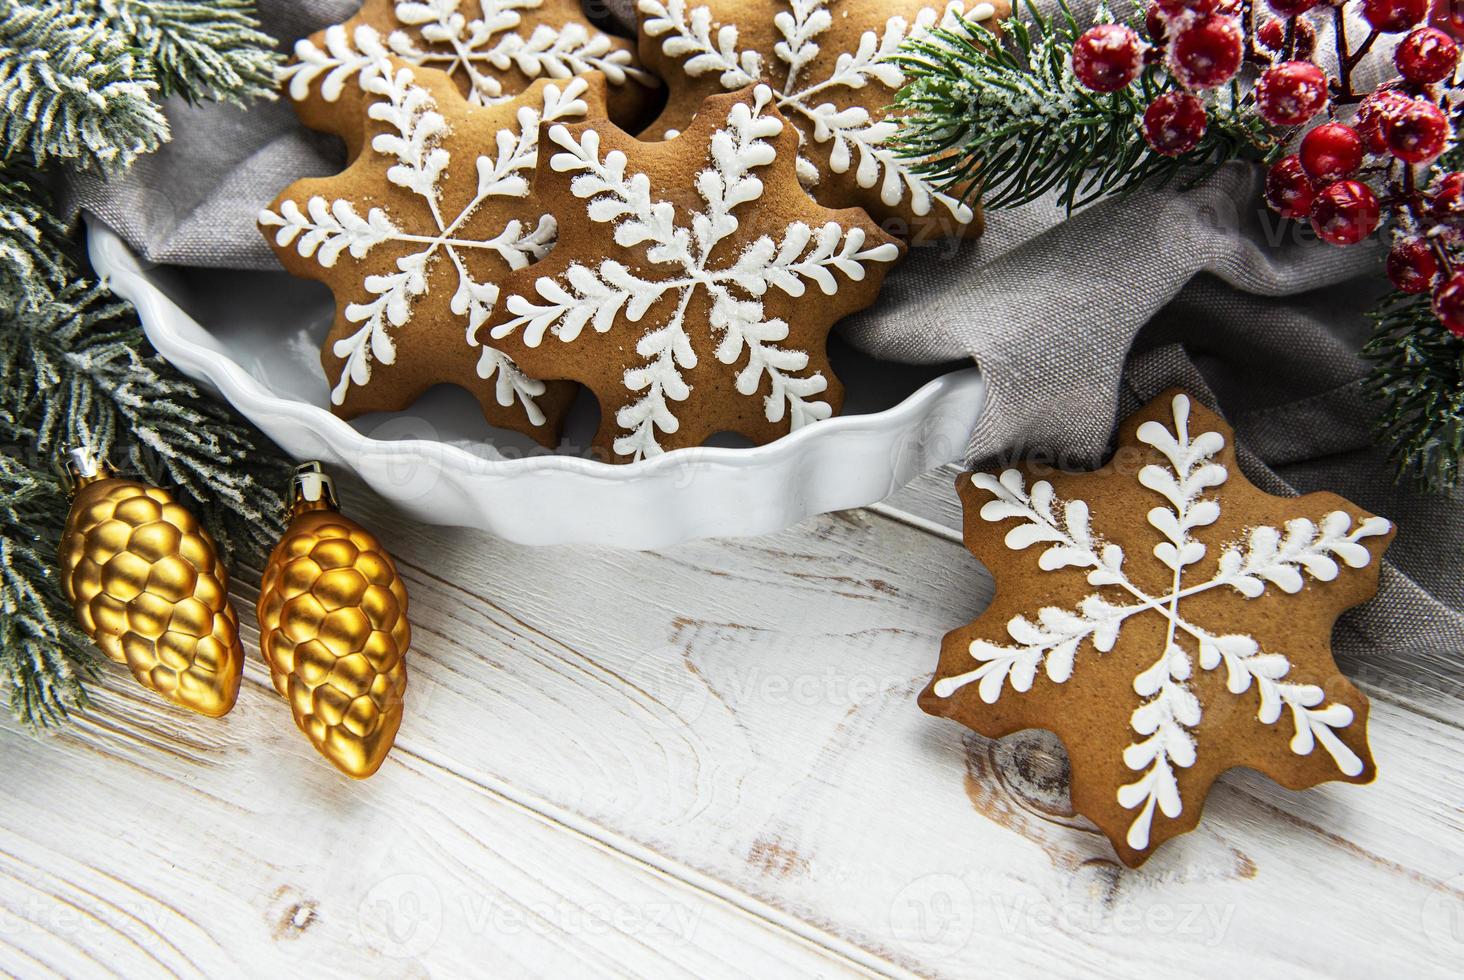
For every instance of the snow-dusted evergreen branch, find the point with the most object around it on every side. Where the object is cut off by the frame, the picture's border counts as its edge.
(74, 89)
(77, 84)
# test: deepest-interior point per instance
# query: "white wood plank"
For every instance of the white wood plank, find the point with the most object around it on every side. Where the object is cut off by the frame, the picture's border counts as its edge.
(145, 842)
(697, 701)
(725, 728)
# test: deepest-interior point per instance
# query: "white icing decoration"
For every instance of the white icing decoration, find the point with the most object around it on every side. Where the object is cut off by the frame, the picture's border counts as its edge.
(1170, 711)
(416, 130)
(597, 297)
(456, 43)
(856, 139)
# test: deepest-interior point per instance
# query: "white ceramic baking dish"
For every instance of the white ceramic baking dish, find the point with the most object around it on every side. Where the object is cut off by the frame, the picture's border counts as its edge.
(254, 338)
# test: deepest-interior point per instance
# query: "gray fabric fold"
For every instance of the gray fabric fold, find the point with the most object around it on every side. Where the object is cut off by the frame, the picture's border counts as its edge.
(1200, 286)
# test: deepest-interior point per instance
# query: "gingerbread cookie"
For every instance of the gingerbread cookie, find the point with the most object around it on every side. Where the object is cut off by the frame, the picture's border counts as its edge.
(414, 236)
(830, 66)
(694, 283)
(1167, 620)
(493, 49)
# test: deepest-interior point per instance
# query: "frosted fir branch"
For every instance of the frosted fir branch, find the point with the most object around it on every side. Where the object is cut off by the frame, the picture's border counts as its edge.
(34, 251)
(73, 89)
(200, 49)
(86, 352)
(44, 656)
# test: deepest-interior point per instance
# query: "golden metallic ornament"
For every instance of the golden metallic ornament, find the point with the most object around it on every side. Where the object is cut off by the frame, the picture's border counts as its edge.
(147, 586)
(333, 628)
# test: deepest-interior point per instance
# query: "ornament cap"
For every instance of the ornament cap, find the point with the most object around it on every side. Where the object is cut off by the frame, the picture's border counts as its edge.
(79, 466)
(312, 489)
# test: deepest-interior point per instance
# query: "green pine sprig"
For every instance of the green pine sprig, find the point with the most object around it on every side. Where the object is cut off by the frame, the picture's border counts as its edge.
(1418, 376)
(1004, 117)
(79, 81)
(202, 50)
(44, 656)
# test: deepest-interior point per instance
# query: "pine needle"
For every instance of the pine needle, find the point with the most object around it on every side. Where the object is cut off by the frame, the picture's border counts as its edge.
(1005, 119)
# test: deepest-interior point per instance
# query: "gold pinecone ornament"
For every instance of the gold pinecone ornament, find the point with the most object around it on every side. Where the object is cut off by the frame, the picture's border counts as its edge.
(146, 583)
(333, 628)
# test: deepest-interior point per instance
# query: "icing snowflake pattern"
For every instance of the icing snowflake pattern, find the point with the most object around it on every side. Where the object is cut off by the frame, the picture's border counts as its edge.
(596, 297)
(327, 228)
(854, 137)
(1164, 723)
(475, 51)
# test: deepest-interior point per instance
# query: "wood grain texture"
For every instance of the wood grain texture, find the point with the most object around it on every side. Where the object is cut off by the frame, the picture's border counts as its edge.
(706, 761)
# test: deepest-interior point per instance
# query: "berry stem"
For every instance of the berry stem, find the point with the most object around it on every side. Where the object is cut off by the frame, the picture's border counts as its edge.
(1346, 61)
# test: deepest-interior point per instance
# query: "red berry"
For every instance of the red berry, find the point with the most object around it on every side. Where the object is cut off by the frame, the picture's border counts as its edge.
(1412, 266)
(1446, 201)
(1175, 7)
(1393, 16)
(1426, 55)
(1174, 123)
(1288, 188)
(1271, 35)
(1344, 213)
(1291, 93)
(1291, 8)
(1448, 304)
(1107, 57)
(1416, 132)
(1155, 23)
(1207, 52)
(1448, 16)
(1331, 151)
(1372, 116)
(1306, 39)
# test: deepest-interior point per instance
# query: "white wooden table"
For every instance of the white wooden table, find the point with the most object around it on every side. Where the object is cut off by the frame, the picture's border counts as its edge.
(706, 760)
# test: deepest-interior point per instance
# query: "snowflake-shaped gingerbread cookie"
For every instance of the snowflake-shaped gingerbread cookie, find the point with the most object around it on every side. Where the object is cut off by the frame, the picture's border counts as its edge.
(830, 66)
(1167, 620)
(694, 284)
(493, 49)
(415, 235)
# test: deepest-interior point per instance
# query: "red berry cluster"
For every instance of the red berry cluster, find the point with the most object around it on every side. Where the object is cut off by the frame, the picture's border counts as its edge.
(1363, 156)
